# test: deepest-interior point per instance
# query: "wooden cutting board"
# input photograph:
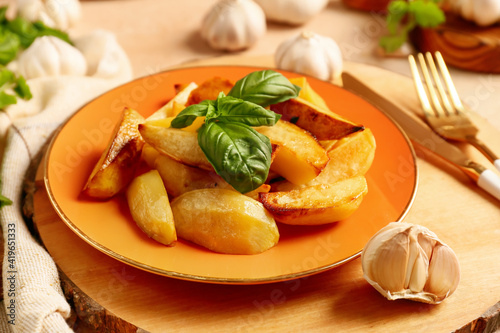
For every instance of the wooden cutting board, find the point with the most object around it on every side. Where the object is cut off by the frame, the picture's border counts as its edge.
(108, 295)
(463, 44)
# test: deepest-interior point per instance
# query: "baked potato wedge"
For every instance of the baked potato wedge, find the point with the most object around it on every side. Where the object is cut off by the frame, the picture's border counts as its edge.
(180, 98)
(349, 157)
(319, 204)
(307, 92)
(224, 221)
(322, 123)
(177, 144)
(119, 161)
(209, 89)
(179, 178)
(150, 208)
(300, 157)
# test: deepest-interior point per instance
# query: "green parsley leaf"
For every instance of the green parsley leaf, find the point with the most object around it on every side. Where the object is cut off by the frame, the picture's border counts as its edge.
(404, 16)
(4, 201)
(427, 14)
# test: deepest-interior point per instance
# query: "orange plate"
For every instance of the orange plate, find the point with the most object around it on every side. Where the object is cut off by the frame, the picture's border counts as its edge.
(301, 250)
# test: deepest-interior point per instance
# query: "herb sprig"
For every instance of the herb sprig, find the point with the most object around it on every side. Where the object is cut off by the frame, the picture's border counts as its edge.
(15, 35)
(238, 153)
(404, 16)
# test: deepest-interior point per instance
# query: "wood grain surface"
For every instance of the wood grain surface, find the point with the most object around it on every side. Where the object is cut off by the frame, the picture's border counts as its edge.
(462, 44)
(111, 296)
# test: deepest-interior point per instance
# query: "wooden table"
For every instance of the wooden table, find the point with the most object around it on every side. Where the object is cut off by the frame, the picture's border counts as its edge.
(107, 294)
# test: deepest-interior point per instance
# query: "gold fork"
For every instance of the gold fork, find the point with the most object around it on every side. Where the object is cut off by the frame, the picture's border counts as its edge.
(448, 119)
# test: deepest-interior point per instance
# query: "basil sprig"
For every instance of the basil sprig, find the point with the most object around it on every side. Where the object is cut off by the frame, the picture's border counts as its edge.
(238, 153)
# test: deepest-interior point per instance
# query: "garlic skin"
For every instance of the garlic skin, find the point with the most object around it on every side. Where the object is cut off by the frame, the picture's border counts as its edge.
(60, 14)
(407, 261)
(293, 12)
(310, 54)
(481, 12)
(102, 53)
(50, 56)
(233, 25)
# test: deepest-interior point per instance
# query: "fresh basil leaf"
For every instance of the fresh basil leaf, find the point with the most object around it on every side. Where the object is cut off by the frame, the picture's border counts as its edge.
(238, 153)
(187, 116)
(6, 99)
(427, 14)
(9, 45)
(22, 89)
(264, 88)
(239, 111)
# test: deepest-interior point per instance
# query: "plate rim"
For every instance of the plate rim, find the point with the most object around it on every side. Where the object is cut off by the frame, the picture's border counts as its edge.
(205, 279)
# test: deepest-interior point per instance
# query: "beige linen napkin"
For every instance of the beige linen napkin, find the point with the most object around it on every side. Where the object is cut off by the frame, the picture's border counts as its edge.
(33, 299)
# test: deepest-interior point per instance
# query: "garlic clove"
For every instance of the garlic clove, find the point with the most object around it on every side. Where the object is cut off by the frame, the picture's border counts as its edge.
(408, 261)
(50, 56)
(310, 54)
(233, 25)
(443, 272)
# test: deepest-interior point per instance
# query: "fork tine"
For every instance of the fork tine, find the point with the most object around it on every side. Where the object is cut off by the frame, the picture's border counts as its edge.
(449, 83)
(430, 87)
(439, 84)
(422, 95)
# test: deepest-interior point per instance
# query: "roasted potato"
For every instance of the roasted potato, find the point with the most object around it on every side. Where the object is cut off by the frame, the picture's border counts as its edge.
(322, 123)
(307, 92)
(224, 221)
(300, 157)
(119, 161)
(209, 89)
(349, 157)
(150, 208)
(180, 98)
(177, 144)
(320, 204)
(179, 178)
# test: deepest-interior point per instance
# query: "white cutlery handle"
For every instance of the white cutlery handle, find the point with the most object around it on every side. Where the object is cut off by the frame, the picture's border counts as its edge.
(497, 164)
(490, 182)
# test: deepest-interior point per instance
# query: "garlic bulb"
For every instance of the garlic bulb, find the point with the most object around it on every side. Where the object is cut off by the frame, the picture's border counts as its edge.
(102, 53)
(482, 12)
(293, 12)
(408, 261)
(60, 14)
(311, 54)
(233, 25)
(50, 56)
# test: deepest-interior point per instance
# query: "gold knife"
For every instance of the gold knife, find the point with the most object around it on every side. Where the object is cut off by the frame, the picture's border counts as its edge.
(420, 133)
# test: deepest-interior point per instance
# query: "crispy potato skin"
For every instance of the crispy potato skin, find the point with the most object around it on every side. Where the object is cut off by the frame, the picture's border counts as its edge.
(209, 89)
(224, 221)
(179, 178)
(118, 162)
(315, 205)
(300, 157)
(349, 157)
(322, 123)
(150, 208)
